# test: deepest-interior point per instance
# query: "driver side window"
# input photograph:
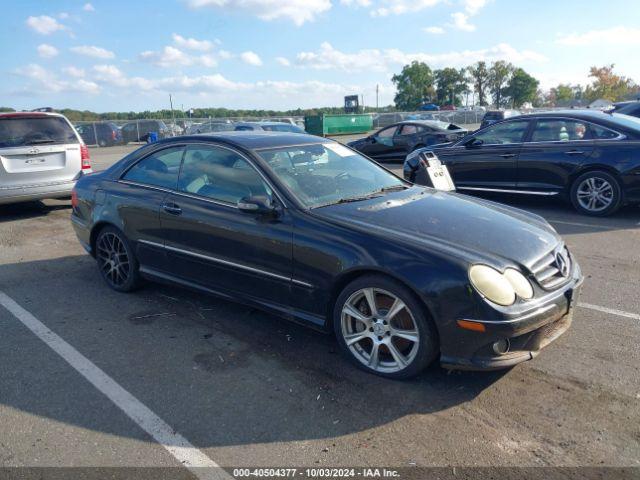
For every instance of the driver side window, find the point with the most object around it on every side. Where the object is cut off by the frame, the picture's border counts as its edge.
(387, 132)
(503, 133)
(219, 174)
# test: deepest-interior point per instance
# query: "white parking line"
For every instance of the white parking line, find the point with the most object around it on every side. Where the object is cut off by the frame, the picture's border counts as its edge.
(577, 224)
(611, 311)
(178, 446)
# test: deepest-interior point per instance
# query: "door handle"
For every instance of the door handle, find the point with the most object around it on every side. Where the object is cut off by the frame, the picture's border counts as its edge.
(508, 155)
(171, 208)
(574, 152)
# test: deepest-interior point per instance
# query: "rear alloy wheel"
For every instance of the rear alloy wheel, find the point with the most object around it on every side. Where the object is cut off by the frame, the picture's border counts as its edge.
(383, 329)
(116, 261)
(596, 193)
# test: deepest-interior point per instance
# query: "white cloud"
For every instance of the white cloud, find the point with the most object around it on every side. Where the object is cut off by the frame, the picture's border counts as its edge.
(283, 61)
(113, 76)
(47, 51)
(251, 58)
(626, 36)
(44, 24)
(356, 3)
(63, 15)
(192, 43)
(74, 72)
(88, 8)
(171, 56)
(327, 57)
(399, 7)
(297, 11)
(45, 81)
(461, 22)
(434, 30)
(93, 51)
(472, 7)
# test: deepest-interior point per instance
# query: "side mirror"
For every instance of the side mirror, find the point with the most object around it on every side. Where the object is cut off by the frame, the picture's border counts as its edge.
(258, 204)
(473, 142)
(372, 138)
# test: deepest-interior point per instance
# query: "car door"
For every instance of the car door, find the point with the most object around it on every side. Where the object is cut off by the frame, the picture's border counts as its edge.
(380, 145)
(554, 149)
(212, 243)
(405, 138)
(142, 190)
(488, 159)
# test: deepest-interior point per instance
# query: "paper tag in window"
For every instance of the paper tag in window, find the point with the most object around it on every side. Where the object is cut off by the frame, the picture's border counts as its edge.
(339, 149)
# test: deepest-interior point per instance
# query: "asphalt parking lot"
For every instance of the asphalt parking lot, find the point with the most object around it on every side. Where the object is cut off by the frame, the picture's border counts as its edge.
(249, 389)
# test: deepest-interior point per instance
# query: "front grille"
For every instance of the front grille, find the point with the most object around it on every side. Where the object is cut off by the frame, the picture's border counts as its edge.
(553, 269)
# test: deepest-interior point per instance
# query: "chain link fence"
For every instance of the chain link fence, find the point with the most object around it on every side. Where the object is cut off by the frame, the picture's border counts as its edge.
(107, 133)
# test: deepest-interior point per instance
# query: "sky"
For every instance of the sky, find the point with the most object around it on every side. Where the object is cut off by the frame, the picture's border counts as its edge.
(115, 55)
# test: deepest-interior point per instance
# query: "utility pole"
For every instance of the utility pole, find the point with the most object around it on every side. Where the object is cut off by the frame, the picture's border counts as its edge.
(377, 93)
(173, 119)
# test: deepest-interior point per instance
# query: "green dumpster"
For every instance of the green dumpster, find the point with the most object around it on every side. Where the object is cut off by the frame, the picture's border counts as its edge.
(338, 124)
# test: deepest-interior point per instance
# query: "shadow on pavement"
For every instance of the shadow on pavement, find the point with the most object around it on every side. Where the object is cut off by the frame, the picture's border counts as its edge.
(219, 372)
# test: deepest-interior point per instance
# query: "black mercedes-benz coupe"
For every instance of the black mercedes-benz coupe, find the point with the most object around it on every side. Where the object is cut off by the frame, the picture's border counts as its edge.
(396, 141)
(590, 157)
(311, 230)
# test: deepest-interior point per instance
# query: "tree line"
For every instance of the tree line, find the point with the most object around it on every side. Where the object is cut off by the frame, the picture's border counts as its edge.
(502, 85)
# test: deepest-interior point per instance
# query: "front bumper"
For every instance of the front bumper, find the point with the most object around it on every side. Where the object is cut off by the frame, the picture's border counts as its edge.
(526, 334)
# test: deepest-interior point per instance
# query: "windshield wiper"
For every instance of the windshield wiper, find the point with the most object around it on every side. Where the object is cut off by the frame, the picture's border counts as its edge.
(393, 188)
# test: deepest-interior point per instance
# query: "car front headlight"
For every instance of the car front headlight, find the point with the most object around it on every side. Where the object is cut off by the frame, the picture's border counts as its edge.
(492, 284)
(519, 282)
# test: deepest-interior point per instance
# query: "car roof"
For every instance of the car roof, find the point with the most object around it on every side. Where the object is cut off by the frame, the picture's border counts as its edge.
(254, 139)
(428, 123)
(30, 115)
(584, 114)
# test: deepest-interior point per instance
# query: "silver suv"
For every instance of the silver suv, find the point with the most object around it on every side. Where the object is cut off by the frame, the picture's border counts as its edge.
(41, 156)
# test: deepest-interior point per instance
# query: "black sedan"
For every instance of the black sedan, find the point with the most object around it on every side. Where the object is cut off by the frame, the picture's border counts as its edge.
(308, 229)
(399, 139)
(589, 157)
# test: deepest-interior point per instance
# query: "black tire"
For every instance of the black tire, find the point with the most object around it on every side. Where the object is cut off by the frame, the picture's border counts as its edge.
(417, 354)
(116, 261)
(611, 193)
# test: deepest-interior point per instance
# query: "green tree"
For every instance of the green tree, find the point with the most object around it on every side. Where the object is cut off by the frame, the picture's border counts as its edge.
(563, 93)
(522, 88)
(608, 85)
(499, 76)
(479, 77)
(450, 84)
(414, 86)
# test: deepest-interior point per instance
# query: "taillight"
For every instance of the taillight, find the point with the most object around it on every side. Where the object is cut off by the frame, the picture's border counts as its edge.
(74, 199)
(84, 156)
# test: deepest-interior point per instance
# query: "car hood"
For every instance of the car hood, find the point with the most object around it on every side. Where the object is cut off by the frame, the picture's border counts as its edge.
(475, 228)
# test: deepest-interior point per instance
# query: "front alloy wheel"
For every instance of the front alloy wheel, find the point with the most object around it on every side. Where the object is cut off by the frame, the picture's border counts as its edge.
(383, 328)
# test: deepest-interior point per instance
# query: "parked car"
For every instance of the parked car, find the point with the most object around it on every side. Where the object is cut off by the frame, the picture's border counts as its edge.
(448, 107)
(429, 107)
(41, 156)
(267, 127)
(138, 131)
(628, 108)
(207, 127)
(494, 116)
(590, 157)
(304, 227)
(399, 139)
(104, 134)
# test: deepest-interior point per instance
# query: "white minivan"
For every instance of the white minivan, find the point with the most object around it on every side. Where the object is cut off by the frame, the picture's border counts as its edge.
(41, 156)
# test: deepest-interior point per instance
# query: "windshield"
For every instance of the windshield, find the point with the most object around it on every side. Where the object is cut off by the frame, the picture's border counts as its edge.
(23, 131)
(627, 121)
(282, 127)
(328, 173)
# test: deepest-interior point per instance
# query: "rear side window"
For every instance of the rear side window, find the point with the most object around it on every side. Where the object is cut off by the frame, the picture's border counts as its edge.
(160, 169)
(559, 131)
(601, 133)
(408, 130)
(19, 132)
